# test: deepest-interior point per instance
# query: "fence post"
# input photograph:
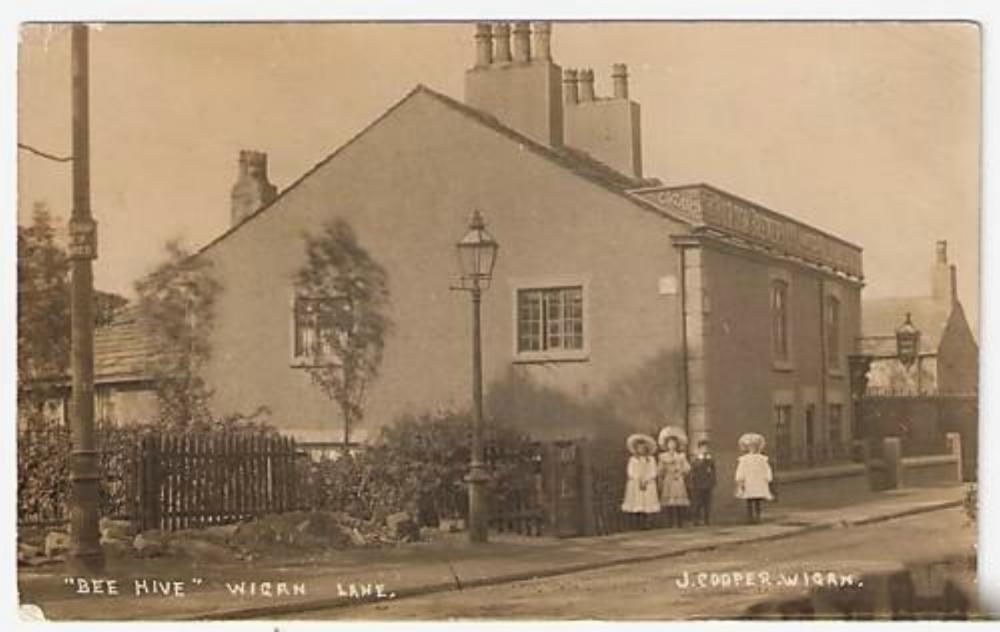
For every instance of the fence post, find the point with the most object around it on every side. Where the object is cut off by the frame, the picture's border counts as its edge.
(954, 442)
(153, 482)
(588, 524)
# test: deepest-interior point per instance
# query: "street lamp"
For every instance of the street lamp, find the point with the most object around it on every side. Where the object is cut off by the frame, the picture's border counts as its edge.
(477, 253)
(907, 342)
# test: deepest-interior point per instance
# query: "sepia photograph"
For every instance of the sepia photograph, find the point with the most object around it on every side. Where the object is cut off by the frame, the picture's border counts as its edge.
(500, 320)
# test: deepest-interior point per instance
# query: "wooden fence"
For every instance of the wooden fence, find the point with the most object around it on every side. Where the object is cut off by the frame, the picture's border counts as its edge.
(185, 481)
(517, 506)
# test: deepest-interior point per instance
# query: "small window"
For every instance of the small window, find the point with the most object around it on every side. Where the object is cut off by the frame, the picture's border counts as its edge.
(550, 319)
(782, 434)
(779, 319)
(832, 332)
(314, 321)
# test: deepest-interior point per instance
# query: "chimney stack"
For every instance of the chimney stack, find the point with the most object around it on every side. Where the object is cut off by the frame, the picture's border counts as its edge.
(587, 85)
(571, 87)
(523, 91)
(619, 75)
(484, 45)
(522, 42)
(252, 190)
(943, 276)
(501, 43)
(543, 41)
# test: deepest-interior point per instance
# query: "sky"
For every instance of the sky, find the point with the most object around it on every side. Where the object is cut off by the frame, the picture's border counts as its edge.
(870, 131)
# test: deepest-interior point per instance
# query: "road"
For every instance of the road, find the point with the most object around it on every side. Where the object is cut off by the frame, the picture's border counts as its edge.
(659, 590)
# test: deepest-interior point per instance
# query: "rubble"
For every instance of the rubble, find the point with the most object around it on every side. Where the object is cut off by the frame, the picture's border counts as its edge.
(56, 543)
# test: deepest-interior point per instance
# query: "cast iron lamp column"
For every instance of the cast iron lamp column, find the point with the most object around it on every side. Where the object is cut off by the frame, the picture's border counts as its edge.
(477, 252)
(85, 553)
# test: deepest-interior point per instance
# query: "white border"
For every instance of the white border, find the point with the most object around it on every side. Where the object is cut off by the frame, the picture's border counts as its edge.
(985, 11)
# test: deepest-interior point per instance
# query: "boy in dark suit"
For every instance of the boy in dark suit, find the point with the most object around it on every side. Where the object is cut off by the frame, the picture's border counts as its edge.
(702, 481)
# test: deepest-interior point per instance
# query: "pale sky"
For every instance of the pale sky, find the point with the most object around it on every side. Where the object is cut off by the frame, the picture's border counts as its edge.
(867, 130)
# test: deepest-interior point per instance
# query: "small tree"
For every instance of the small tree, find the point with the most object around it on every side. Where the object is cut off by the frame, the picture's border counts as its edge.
(175, 303)
(43, 331)
(348, 293)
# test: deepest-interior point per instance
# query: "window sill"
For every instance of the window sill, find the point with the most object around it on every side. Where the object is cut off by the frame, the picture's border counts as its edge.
(785, 366)
(541, 357)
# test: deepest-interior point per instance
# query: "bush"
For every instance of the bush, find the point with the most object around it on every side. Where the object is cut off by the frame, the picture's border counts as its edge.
(418, 464)
(971, 503)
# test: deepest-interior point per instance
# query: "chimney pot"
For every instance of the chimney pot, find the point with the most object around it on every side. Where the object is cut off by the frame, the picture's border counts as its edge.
(252, 190)
(571, 88)
(942, 251)
(484, 45)
(619, 75)
(543, 41)
(587, 85)
(522, 42)
(501, 43)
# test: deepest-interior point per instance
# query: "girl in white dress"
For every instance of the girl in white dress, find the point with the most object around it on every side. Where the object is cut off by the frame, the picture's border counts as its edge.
(641, 499)
(753, 475)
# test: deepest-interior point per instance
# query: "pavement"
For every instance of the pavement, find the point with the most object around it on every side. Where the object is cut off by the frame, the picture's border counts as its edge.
(361, 576)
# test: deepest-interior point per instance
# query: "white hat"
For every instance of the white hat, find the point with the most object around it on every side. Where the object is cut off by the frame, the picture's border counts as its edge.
(751, 439)
(633, 441)
(676, 433)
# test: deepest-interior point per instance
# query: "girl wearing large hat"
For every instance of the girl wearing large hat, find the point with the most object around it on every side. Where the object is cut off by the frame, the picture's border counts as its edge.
(640, 491)
(753, 475)
(673, 470)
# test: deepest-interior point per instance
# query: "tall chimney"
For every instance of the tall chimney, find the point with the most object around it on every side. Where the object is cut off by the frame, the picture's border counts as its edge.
(252, 190)
(571, 87)
(522, 42)
(587, 85)
(543, 41)
(523, 92)
(619, 76)
(484, 45)
(501, 43)
(942, 275)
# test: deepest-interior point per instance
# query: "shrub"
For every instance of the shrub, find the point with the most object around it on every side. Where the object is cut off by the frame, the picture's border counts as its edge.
(418, 464)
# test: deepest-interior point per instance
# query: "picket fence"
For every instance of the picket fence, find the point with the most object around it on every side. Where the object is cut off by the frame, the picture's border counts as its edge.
(188, 481)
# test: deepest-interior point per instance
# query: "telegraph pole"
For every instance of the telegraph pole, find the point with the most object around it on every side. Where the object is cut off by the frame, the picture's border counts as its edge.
(85, 551)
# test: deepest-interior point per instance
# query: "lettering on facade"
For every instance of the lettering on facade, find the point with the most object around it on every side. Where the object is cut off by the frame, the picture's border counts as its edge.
(759, 225)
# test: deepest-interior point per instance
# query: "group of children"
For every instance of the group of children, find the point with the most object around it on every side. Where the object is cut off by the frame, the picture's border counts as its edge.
(669, 483)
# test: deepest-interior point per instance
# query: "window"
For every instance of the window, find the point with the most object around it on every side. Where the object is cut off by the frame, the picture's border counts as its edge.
(313, 325)
(779, 319)
(550, 319)
(782, 434)
(832, 332)
(835, 425)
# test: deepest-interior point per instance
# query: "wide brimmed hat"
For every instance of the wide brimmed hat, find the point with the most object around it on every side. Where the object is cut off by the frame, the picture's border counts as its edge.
(676, 433)
(633, 441)
(751, 440)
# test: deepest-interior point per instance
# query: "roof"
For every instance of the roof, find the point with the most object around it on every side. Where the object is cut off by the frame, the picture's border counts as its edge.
(881, 317)
(123, 349)
(574, 160)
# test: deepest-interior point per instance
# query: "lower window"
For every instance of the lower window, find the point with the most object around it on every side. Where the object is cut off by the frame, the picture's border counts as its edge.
(550, 319)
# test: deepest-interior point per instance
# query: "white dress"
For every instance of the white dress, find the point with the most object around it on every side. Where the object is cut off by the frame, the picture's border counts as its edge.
(753, 477)
(640, 490)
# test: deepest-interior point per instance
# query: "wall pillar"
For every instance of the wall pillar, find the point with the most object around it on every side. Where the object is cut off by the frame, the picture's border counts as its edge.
(954, 442)
(892, 454)
(695, 330)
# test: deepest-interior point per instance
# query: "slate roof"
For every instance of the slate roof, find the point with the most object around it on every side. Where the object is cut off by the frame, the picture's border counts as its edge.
(123, 349)
(880, 317)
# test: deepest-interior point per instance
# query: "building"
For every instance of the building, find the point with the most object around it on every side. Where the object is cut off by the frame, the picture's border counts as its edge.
(617, 303)
(948, 358)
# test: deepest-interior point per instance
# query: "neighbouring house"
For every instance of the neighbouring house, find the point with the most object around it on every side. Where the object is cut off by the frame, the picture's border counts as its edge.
(936, 393)
(948, 358)
(617, 303)
(124, 390)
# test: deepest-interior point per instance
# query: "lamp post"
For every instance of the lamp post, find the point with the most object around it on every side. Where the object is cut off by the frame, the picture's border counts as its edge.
(477, 252)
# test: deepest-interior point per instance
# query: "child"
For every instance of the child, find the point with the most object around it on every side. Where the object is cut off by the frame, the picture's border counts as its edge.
(641, 499)
(753, 475)
(674, 468)
(702, 480)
